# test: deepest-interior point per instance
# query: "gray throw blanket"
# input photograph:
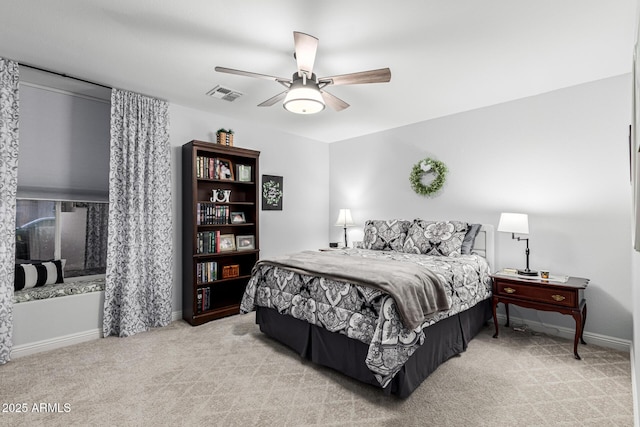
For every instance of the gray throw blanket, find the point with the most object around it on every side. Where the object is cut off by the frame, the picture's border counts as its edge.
(417, 291)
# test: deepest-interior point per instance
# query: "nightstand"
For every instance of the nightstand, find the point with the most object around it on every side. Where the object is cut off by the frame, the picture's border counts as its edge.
(540, 294)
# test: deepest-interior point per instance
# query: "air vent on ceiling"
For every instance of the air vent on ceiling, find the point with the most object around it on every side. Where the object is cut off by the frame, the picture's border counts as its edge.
(224, 93)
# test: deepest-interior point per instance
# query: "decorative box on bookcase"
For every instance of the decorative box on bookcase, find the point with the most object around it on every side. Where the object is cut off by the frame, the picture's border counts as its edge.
(217, 206)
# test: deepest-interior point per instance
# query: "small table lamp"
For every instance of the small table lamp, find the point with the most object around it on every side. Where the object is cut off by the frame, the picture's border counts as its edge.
(345, 220)
(517, 223)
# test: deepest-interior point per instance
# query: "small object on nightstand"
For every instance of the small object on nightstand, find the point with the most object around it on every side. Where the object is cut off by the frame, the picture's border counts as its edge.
(544, 274)
(333, 244)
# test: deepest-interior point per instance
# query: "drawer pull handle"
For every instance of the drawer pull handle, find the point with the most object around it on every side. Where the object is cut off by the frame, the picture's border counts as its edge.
(558, 298)
(510, 290)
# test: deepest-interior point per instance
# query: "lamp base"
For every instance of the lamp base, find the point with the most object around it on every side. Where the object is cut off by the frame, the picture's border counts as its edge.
(527, 272)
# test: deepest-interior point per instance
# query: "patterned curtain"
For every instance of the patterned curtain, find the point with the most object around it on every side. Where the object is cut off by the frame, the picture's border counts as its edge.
(139, 249)
(95, 249)
(9, 79)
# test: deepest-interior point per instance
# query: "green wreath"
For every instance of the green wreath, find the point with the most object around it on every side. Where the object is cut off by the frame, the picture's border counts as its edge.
(427, 166)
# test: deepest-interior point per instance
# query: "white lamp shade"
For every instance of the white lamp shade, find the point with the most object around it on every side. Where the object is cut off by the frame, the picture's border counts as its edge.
(514, 223)
(344, 218)
(304, 100)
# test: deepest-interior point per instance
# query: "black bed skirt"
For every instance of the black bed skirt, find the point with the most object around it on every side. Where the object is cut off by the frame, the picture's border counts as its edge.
(443, 340)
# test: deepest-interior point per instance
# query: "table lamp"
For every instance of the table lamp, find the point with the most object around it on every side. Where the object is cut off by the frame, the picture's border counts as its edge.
(345, 220)
(517, 223)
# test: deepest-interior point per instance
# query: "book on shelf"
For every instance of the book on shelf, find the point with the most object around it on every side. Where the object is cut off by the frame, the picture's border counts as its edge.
(206, 167)
(214, 168)
(212, 214)
(206, 300)
(199, 300)
(206, 272)
(203, 299)
(207, 242)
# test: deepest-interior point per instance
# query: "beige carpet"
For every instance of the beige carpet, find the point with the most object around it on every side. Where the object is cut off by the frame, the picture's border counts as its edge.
(227, 373)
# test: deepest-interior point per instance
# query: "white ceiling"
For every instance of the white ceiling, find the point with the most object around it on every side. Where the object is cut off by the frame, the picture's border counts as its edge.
(445, 56)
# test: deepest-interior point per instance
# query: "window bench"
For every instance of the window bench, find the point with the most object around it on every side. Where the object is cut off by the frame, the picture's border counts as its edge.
(59, 290)
(42, 321)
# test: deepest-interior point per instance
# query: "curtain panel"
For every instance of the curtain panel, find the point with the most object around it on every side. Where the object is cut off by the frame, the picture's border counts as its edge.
(139, 246)
(97, 230)
(9, 79)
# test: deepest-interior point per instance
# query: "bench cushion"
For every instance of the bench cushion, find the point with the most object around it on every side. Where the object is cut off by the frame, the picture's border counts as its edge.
(59, 290)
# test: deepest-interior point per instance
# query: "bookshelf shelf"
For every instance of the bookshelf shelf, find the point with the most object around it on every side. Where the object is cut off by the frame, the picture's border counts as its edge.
(206, 213)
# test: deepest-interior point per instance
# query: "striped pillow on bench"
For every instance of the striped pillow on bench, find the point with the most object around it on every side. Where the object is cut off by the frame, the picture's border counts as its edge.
(37, 274)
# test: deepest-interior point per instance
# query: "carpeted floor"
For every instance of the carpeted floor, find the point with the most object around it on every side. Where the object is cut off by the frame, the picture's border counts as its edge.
(227, 373)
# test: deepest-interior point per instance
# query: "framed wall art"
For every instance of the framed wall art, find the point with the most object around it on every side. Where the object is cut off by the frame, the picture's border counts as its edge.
(272, 193)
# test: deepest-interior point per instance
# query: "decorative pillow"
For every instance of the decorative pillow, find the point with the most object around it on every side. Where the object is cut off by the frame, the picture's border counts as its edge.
(435, 237)
(38, 274)
(470, 238)
(386, 235)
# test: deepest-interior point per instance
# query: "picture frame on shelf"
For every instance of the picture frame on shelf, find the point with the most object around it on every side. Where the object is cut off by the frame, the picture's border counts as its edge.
(245, 243)
(224, 169)
(238, 218)
(227, 243)
(243, 173)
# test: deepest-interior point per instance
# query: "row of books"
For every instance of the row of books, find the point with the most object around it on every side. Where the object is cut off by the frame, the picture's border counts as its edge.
(210, 213)
(213, 168)
(203, 300)
(206, 271)
(208, 242)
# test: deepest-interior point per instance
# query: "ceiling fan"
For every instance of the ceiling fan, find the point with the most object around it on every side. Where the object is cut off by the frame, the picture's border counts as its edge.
(305, 92)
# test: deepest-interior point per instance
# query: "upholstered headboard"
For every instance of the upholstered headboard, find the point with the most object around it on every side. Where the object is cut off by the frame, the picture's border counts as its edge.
(485, 244)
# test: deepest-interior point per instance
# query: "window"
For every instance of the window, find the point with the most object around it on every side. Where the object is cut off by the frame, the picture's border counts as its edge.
(74, 231)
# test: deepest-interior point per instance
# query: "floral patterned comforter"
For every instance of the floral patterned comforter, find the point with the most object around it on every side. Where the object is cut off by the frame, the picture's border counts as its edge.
(366, 314)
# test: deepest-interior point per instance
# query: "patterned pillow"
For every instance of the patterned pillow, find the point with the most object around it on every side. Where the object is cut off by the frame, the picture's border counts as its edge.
(470, 238)
(38, 274)
(386, 235)
(435, 237)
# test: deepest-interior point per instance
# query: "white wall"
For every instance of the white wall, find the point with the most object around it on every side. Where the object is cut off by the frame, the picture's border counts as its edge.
(561, 157)
(303, 163)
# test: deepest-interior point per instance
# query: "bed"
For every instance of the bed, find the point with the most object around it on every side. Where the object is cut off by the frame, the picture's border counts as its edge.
(353, 311)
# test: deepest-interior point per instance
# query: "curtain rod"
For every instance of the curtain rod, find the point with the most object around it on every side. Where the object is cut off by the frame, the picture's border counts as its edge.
(64, 75)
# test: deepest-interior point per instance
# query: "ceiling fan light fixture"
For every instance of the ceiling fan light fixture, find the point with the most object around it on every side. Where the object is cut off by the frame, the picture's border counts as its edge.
(304, 98)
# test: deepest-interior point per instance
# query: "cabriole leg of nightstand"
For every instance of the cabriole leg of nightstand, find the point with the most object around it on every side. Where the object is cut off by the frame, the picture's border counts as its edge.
(495, 317)
(584, 321)
(579, 318)
(506, 308)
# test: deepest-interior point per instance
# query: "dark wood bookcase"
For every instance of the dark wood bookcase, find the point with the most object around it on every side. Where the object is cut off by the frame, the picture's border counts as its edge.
(204, 297)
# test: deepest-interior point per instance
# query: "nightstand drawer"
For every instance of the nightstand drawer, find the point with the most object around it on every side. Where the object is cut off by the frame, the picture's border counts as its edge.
(536, 293)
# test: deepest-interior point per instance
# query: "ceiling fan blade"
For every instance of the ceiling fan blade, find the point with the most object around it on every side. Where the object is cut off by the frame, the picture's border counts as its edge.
(250, 74)
(383, 75)
(333, 101)
(305, 52)
(269, 102)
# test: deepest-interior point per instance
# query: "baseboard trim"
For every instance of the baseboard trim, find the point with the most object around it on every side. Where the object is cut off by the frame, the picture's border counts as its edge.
(53, 343)
(65, 340)
(568, 333)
